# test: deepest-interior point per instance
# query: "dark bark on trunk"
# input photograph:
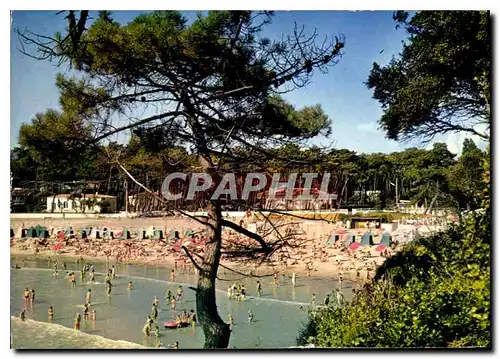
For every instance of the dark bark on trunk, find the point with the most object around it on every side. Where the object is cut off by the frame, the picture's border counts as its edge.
(216, 332)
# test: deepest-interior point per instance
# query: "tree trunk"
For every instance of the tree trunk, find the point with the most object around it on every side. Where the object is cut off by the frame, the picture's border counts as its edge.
(216, 332)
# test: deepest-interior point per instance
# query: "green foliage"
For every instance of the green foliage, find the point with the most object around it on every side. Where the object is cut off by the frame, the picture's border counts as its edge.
(441, 78)
(434, 293)
(49, 141)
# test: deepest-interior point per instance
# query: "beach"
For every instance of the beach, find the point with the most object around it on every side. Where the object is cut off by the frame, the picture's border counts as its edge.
(312, 257)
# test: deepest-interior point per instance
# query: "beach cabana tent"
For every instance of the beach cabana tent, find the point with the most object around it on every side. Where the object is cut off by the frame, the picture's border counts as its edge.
(350, 239)
(173, 235)
(125, 234)
(95, 234)
(41, 232)
(158, 234)
(366, 239)
(386, 239)
(21, 233)
(141, 234)
(31, 233)
(333, 238)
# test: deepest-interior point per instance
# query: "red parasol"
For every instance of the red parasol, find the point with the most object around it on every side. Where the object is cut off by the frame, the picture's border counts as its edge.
(380, 247)
(341, 231)
(353, 246)
(60, 235)
(57, 247)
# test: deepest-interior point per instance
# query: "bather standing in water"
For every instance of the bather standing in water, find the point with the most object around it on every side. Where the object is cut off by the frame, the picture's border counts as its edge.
(88, 297)
(259, 288)
(32, 298)
(22, 316)
(193, 318)
(108, 288)
(293, 279)
(156, 301)
(86, 312)
(78, 319)
(154, 312)
(313, 300)
(27, 295)
(250, 316)
(50, 312)
(180, 293)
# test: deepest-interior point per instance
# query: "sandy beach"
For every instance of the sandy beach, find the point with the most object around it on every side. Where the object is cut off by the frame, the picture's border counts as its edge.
(312, 257)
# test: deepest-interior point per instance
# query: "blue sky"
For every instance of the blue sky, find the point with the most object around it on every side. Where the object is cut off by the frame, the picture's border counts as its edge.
(341, 92)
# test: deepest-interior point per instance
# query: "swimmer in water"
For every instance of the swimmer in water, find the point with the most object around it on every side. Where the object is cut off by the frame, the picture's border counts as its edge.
(86, 312)
(82, 275)
(147, 328)
(22, 316)
(178, 321)
(250, 316)
(156, 331)
(88, 297)
(180, 293)
(107, 279)
(26, 295)
(94, 315)
(108, 288)
(193, 318)
(185, 317)
(92, 277)
(78, 319)
(174, 345)
(56, 274)
(32, 298)
(172, 275)
(168, 295)
(72, 279)
(327, 300)
(50, 312)
(154, 312)
(130, 286)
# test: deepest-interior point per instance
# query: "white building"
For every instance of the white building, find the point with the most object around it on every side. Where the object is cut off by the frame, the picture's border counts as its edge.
(90, 203)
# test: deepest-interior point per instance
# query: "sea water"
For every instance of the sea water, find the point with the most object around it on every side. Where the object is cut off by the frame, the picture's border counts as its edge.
(278, 315)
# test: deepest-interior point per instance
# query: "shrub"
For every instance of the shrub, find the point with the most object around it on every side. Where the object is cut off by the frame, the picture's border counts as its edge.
(434, 293)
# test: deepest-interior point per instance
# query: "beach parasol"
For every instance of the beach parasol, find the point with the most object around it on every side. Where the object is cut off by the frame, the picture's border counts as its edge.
(340, 231)
(353, 246)
(380, 247)
(57, 247)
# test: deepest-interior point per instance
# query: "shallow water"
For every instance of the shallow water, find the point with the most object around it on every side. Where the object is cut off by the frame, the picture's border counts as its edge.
(278, 315)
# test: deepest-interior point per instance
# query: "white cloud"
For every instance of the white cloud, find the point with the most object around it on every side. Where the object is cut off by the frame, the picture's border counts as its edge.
(455, 140)
(370, 127)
